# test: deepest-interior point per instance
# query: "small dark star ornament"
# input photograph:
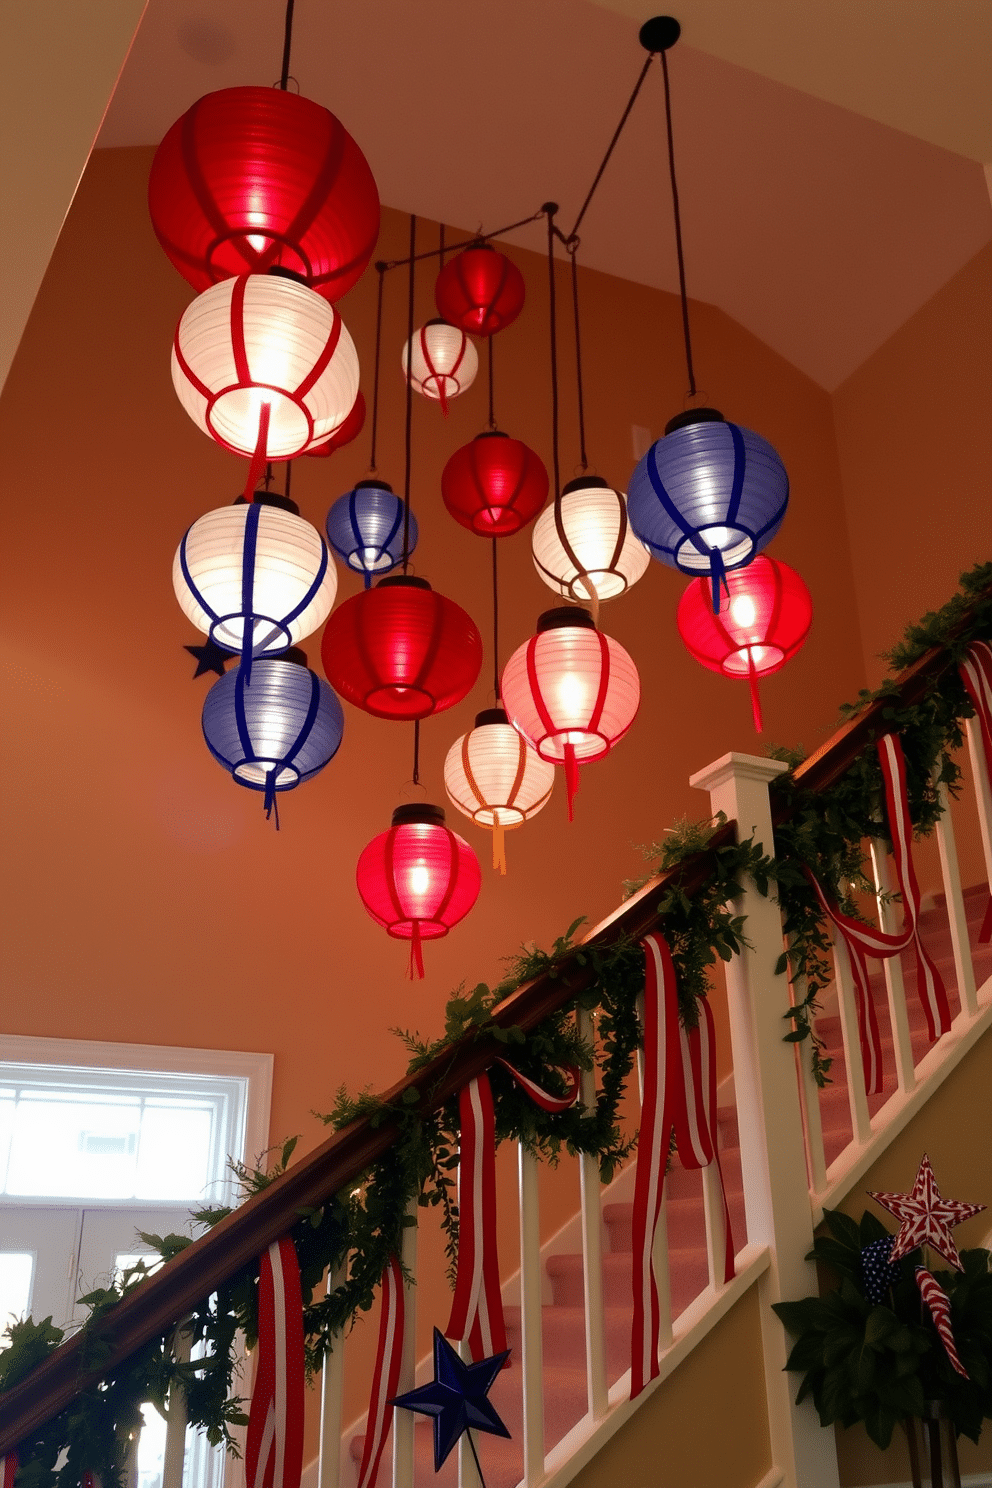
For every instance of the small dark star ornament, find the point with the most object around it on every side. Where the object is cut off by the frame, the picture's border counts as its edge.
(456, 1398)
(209, 658)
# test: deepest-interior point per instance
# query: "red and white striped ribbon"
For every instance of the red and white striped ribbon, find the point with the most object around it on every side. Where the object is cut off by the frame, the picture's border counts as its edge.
(861, 940)
(976, 674)
(386, 1379)
(679, 1095)
(274, 1446)
(939, 1304)
(8, 1470)
(477, 1306)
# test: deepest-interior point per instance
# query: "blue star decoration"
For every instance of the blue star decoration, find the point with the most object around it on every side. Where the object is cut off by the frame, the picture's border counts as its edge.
(456, 1398)
(877, 1271)
(209, 658)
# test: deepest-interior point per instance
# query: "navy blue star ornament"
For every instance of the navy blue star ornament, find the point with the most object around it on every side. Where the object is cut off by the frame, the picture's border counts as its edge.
(457, 1398)
(209, 658)
(877, 1271)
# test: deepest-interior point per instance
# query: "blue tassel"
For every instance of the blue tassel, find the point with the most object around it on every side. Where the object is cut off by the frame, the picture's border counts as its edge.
(718, 577)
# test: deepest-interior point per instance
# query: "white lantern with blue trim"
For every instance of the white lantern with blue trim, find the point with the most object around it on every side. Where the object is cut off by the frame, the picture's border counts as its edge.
(255, 576)
(708, 496)
(275, 728)
(365, 528)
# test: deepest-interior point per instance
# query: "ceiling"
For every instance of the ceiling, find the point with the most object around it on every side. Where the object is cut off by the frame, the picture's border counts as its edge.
(818, 228)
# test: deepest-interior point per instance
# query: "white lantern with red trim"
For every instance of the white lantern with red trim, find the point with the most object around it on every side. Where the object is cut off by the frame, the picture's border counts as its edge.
(571, 691)
(265, 366)
(496, 779)
(440, 361)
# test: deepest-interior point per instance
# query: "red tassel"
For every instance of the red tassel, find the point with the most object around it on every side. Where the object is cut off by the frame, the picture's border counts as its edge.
(258, 459)
(416, 968)
(755, 697)
(571, 776)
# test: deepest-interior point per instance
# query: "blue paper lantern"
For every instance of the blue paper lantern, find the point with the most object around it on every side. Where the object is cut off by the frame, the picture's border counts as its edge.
(272, 728)
(365, 527)
(708, 496)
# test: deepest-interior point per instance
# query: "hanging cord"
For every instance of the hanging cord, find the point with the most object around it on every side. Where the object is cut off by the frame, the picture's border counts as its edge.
(268, 474)
(495, 624)
(472, 242)
(492, 416)
(380, 269)
(416, 751)
(678, 227)
(289, 479)
(408, 436)
(612, 145)
(440, 244)
(571, 247)
(287, 45)
(550, 208)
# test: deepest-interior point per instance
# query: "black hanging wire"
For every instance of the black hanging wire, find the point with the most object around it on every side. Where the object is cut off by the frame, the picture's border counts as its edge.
(572, 247)
(380, 269)
(495, 624)
(472, 242)
(289, 479)
(492, 416)
(287, 45)
(678, 227)
(416, 751)
(612, 145)
(550, 208)
(408, 436)
(440, 244)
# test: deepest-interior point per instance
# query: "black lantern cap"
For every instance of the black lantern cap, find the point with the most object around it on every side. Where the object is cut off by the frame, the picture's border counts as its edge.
(295, 654)
(583, 482)
(283, 273)
(418, 811)
(412, 581)
(563, 616)
(694, 416)
(270, 498)
(491, 433)
(490, 715)
(374, 485)
(659, 34)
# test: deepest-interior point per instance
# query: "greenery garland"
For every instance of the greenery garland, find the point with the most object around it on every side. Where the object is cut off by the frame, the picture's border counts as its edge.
(356, 1232)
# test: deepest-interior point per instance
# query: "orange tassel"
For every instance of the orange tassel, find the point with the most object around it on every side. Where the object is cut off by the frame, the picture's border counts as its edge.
(499, 848)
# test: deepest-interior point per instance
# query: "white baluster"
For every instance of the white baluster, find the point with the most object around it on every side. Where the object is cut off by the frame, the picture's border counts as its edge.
(659, 1246)
(403, 1421)
(956, 917)
(889, 920)
(716, 1238)
(468, 1471)
(983, 791)
(592, 1252)
(331, 1399)
(857, 1098)
(776, 1189)
(815, 1155)
(531, 1339)
(175, 1432)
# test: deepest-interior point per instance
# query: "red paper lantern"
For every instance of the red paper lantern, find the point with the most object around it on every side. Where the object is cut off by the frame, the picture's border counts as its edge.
(418, 879)
(480, 290)
(572, 691)
(495, 485)
(255, 178)
(349, 430)
(401, 651)
(764, 617)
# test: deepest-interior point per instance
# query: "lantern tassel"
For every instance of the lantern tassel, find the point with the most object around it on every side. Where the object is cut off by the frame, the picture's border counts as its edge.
(269, 799)
(571, 776)
(752, 677)
(256, 469)
(499, 848)
(415, 971)
(718, 576)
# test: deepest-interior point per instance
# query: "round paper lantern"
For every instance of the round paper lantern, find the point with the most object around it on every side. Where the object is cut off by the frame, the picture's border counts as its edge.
(763, 620)
(345, 433)
(571, 691)
(401, 651)
(255, 178)
(480, 291)
(264, 366)
(585, 548)
(494, 776)
(365, 528)
(418, 879)
(274, 729)
(495, 485)
(443, 364)
(254, 571)
(707, 496)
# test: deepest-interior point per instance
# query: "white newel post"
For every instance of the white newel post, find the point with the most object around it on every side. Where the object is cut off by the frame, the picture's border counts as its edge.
(776, 1191)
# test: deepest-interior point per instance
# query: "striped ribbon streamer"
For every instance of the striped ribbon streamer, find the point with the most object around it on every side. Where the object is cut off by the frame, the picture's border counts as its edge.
(8, 1470)
(680, 1097)
(477, 1306)
(274, 1446)
(861, 940)
(976, 674)
(386, 1379)
(939, 1304)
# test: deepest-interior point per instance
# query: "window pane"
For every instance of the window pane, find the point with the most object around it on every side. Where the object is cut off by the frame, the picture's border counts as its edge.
(16, 1274)
(174, 1158)
(74, 1147)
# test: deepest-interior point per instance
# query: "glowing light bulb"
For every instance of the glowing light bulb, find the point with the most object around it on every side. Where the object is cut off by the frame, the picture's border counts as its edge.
(742, 610)
(571, 693)
(420, 880)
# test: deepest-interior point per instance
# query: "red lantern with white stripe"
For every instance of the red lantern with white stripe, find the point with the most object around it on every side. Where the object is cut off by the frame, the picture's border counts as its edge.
(496, 779)
(571, 691)
(264, 366)
(418, 879)
(440, 361)
(764, 618)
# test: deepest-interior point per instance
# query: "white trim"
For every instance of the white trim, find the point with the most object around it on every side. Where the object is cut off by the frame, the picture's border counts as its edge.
(970, 1480)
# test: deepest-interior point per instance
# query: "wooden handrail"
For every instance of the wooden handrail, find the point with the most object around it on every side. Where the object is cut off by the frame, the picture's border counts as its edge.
(237, 1242)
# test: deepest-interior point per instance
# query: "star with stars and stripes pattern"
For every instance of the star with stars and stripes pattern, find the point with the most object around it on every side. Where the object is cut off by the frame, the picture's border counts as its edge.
(925, 1217)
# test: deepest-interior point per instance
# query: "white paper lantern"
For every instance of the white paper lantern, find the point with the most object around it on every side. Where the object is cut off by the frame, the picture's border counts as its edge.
(287, 589)
(444, 361)
(496, 779)
(258, 342)
(586, 549)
